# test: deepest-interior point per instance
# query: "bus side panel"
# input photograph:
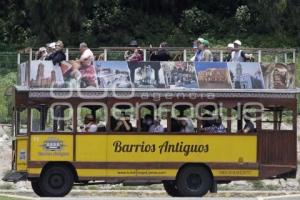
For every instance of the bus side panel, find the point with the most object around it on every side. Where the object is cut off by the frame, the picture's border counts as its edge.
(51, 147)
(21, 154)
(169, 150)
(91, 149)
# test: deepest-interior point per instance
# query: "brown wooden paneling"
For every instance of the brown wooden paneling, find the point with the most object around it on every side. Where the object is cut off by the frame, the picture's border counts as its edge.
(278, 148)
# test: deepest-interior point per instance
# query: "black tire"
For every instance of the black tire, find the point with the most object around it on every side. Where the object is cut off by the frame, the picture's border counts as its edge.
(194, 181)
(36, 188)
(171, 188)
(56, 181)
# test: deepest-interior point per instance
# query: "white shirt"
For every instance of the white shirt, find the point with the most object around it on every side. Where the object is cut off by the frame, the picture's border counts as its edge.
(237, 56)
(90, 127)
(156, 128)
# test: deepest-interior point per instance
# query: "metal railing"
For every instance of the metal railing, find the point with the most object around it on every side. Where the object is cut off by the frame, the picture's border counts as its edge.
(177, 53)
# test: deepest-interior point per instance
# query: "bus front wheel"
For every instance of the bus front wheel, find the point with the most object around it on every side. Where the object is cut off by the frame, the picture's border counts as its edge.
(171, 188)
(194, 181)
(56, 181)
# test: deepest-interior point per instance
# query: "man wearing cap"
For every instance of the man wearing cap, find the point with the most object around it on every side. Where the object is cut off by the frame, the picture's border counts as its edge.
(206, 54)
(230, 48)
(86, 53)
(238, 55)
(133, 55)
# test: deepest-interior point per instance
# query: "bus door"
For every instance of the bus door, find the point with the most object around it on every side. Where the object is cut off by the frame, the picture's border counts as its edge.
(20, 140)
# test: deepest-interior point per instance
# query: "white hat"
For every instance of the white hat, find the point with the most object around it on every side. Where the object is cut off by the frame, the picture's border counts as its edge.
(42, 49)
(237, 42)
(230, 45)
(52, 45)
(200, 39)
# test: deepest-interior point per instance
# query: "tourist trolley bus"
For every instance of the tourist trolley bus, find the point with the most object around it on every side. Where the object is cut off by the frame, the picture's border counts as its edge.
(51, 150)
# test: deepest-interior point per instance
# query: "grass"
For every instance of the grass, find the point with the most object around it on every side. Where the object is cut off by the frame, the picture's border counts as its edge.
(9, 198)
(258, 185)
(7, 186)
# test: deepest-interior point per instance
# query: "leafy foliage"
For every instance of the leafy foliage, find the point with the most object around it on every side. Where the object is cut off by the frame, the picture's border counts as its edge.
(115, 22)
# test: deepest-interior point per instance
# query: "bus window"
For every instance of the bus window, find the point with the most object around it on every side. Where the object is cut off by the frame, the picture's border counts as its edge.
(212, 120)
(286, 119)
(63, 118)
(41, 120)
(91, 118)
(162, 114)
(21, 121)
(267, 121)
(183, 119)
(249, 122)
(123, 118)
(146, 117)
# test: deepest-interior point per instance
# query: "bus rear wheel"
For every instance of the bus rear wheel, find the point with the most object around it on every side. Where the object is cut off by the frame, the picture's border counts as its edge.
(56, 181)
(171, 188)
(194, 181)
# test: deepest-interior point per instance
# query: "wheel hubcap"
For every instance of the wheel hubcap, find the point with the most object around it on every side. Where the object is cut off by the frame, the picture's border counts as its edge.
(194, 181)
(56, 181)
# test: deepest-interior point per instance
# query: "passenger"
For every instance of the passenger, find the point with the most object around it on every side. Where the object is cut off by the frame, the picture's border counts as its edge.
(162, 54)
(218, 127)
(58, 56)
(230, 48)
(87, 70)
(50, 48)
(206, 54)
(156, 127)
(123, 125)
(89, 124)
(197, 46)
(86, 53)
(249, 126)
(134, 55)
(146, 123)
(207, 121)
(41, 54)
(186, 125)
(238, 55)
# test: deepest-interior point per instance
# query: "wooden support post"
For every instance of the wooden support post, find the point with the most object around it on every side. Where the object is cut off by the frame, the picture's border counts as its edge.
(259, 55)
(105, 54)
(19, 58)
(285, 58)
(67, 54)
(294, 56)
(184, 55)
(145, 54)
(221, 56)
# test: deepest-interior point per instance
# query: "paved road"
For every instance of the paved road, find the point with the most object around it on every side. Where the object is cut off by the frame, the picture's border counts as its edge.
(157, 195)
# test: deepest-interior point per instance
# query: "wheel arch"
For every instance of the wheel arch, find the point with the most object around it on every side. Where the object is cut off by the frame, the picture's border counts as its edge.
(196, 164)
(69, 165)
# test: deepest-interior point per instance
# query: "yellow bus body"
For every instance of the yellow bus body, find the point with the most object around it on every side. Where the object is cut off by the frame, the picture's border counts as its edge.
(117, 155)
